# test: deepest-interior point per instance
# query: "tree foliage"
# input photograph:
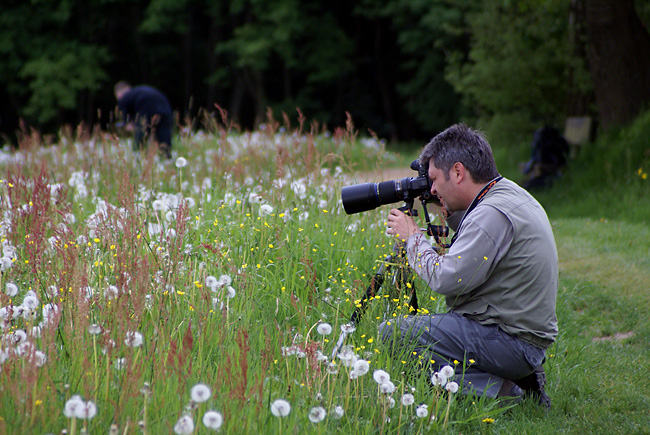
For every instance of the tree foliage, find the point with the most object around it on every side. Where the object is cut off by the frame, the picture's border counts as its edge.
(403, 68)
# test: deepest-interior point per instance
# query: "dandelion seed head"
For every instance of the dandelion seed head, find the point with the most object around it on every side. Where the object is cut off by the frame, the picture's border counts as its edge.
(86, 411)
(452, 387)
(422, 411)
(438, 380)
(212, 420)
(317, 414)
(184, 425)
(280, 408)
(211, 282)
(447, 372)
(361, 367)
(181, 162)
(387, 387)
(230, 292)
(133, 339)
(200, 393)
(324, 329)
(408, 399)
(11, 289)
(381, 376)
(71, 407)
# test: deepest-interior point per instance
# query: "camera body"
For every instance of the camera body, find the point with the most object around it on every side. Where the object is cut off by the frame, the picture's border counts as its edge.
(368, 196)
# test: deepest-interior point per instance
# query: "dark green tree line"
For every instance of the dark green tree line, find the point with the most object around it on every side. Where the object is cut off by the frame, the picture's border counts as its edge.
(403, 68)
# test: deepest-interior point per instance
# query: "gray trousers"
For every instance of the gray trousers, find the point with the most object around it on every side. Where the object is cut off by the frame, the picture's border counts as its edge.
(446, 337)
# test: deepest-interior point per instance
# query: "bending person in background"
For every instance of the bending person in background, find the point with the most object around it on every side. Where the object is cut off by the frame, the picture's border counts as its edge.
(499, 277)
(147, 112)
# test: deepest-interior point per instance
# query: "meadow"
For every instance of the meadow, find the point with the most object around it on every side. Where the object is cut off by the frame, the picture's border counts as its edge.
(206, 293)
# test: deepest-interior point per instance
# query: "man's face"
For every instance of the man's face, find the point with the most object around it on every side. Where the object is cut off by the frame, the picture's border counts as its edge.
(442, 186)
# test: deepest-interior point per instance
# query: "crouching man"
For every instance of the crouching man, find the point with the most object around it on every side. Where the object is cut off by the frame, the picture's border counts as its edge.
(499, 277)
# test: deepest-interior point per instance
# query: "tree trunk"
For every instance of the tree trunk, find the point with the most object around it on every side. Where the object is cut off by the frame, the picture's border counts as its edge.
(618, 51)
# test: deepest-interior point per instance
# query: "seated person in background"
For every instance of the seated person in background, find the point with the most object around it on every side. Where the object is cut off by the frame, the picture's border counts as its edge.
(548, 157)
(146, 111)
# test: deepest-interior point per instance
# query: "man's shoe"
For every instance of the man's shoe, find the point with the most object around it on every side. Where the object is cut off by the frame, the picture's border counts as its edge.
(533, 386)
(510, 393)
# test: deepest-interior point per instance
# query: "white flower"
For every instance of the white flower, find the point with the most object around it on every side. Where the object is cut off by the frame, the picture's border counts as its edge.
(317, 414)
(39, 358)
(30, 302)
(422, 411)
(387, 387)
(184, 425)
(303, 216)
(361, 367)
(332, 369)
(200, 393)
(181, 162)
(11, 289)
(381, 376)
(280, 408)
(212, 420)
(254, 198)
(447, 372)
(111, 292)
(224, 280)
(86, 411)
(158, 205)
(72, 406)
(211, 281)
(452, 387)
(408, 399)
(94, 329)
(133, 339)
(338, 412)
(324, 329)
(299, 189)
(438, 380)
(265, 209)
(230, 292)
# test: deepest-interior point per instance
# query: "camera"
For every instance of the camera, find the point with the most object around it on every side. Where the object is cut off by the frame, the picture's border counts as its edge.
(368, 196)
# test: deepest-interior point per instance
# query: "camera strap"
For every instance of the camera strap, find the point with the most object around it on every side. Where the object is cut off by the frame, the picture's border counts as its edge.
(473, 205)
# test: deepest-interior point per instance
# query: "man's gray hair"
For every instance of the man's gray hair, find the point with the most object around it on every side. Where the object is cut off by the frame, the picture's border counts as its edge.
(460, 143)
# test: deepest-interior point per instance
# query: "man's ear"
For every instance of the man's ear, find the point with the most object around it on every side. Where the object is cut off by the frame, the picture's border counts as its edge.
(458, 172)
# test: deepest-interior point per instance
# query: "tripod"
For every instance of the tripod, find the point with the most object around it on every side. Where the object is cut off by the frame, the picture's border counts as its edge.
(402, 279)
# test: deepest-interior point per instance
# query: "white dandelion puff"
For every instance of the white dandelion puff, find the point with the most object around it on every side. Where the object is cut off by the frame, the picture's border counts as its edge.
(324, 329)
(447, 372)
(338, 412)
(184, 425)
(11, 289)
(86, 411)
(211, 281)
(422, 411)
(361, 367)
(438, 380)
(452, 387)
(408, 399)
(181, 162)
(381, 377)
(71, 407)
(230, 292)
(224, 280)
(280, 408)
(200, 393)
(212, 420)
(94, 329)
(317, 414)
(133, 339)
(387, 387)
(265, 209)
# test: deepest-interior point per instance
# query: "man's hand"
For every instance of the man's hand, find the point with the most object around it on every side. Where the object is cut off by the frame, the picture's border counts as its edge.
(401, 225)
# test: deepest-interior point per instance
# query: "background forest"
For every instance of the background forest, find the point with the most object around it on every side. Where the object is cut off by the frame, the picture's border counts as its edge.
(403, 68)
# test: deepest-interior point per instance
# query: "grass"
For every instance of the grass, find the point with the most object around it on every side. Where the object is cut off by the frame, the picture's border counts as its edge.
(117, 243)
